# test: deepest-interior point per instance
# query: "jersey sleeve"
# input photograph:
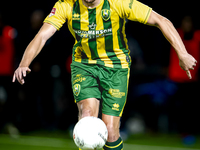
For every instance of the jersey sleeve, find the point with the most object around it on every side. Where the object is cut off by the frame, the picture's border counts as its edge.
(134, 10)
(58, 15)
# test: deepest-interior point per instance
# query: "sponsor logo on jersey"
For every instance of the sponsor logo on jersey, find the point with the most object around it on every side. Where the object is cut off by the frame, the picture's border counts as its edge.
(53, 12)
(92, 26)
(105, 14)
(76, 16)
(93, 33)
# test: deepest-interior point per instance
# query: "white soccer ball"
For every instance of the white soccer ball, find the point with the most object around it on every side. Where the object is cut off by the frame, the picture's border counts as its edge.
(90, 133)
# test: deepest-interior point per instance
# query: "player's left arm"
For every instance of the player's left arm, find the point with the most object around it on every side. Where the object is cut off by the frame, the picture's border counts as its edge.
(186, 61)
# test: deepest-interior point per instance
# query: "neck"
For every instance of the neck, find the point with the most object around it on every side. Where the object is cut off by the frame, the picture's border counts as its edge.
(91, 3)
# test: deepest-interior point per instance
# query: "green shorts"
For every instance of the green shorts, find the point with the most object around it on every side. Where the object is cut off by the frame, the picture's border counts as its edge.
(110, 85)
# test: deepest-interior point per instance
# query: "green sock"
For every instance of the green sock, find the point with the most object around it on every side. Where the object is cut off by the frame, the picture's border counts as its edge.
(117, 145)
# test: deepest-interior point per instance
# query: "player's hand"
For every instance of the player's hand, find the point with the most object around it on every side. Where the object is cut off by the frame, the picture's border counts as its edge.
(187, 62)
(20, 73)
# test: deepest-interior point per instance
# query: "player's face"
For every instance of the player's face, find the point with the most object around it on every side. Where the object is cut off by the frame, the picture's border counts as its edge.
(89, 1)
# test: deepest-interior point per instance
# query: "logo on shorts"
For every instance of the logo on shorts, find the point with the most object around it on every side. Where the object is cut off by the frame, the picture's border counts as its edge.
(105, 14)
(116, 93)
(115, 106)
(79, 78)
(77, 89)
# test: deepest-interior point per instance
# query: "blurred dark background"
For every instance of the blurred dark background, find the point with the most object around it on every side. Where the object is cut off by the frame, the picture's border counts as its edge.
(161, 99)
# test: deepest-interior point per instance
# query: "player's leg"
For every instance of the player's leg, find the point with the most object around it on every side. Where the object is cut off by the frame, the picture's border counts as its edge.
(114, 141)
(85, 89)
(88, 107)
(115, 88)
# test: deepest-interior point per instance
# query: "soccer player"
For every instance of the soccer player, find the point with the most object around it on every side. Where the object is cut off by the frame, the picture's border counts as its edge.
(100, 59)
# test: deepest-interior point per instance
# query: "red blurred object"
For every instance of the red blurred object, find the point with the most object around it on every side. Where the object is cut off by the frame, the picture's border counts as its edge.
(193, 47)
(68, 63)
(7, 51)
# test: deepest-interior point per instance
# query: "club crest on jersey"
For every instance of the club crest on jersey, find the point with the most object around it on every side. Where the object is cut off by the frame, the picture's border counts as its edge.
(77, 89)
(53, 12)
(105, 14)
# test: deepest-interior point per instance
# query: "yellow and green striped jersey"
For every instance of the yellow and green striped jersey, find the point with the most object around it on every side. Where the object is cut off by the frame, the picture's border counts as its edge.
(99, 32)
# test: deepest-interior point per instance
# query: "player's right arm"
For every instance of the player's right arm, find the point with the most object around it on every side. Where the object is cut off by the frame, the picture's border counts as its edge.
(52, 23)
(32, 50)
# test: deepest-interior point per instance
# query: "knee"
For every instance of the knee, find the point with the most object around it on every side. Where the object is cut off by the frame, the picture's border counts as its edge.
(88, 107)
(85, 112)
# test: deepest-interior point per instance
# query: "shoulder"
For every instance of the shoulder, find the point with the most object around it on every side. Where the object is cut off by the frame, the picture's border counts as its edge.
(117, 5)
(68, 3)
(64, 7)
(64, 4)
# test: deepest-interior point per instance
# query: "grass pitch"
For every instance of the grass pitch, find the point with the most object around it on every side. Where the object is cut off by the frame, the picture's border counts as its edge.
(62, 142)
